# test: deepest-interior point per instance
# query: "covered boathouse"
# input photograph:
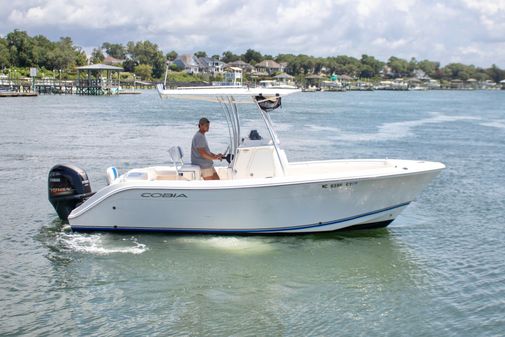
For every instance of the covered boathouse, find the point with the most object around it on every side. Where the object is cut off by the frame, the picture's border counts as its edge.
(93, 81)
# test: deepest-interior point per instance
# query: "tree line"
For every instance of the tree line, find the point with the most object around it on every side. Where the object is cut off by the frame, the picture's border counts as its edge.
(145, 58)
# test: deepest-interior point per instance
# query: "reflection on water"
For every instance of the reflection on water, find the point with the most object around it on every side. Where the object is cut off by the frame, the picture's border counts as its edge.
(366, 254)
(207, 279)
(228, 244)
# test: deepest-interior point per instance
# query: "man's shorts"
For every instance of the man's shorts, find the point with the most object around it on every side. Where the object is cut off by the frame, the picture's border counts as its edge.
(208, 172)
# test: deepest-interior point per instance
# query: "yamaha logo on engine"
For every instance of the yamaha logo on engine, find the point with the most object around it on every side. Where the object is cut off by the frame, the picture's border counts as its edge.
(163, 195)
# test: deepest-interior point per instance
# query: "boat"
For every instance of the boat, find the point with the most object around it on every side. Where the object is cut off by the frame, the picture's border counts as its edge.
(274, 84)
(259, 192)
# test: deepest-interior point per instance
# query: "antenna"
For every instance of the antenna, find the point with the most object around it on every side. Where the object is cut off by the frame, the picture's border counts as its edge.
(166, 75)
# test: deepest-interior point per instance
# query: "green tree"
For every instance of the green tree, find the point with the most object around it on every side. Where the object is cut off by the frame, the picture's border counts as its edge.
(171, 56)
(20, 48)
(201, 54)
(115, 50)
(65, 54)
(295, 66)
(42, 49)
(367, 71)
(228, 57)
(459, 71)
(252, 56)
(370, 66)
(429, 67)
(25, 51)
(4, 54)
(307, 63)
(97, 56)
(495, 73)
(144, 71)
(80, 57)
(344, 65)
(413, 65)
(481, 75)
(285, 58)
(292, 68)
(146, 52)
(319, 64)
(399, 67)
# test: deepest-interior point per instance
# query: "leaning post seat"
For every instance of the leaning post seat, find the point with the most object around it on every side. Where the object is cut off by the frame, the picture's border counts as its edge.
(190, 172)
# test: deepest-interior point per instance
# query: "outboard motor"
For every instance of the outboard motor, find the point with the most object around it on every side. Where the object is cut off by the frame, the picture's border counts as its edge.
(68, 187)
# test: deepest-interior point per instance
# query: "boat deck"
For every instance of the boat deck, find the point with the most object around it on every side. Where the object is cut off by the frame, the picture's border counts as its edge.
(315, 170)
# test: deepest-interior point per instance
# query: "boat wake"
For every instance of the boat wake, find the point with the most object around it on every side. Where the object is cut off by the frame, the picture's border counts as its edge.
(392, 131)
(498, 124)
(238, 245)
(100, 244)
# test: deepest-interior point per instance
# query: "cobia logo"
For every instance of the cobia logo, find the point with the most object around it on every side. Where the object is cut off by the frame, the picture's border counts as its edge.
(163, 195)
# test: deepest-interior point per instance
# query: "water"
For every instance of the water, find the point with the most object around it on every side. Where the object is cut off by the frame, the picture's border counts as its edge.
(438, 270)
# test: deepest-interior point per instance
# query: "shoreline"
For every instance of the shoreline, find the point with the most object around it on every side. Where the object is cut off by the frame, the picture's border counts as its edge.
(18, 94)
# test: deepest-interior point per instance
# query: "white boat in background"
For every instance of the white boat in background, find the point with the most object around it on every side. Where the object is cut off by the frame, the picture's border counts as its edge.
(272, 84)
(260, 191)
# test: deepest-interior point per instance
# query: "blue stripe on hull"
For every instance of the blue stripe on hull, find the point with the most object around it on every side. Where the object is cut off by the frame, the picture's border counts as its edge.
(241, 231)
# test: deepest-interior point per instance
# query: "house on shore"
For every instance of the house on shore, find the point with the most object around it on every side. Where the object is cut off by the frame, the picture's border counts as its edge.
(457, 84)
(246, 67)
(285, 79)
(268, 66)
(432, 84)
(210, 66)
(199, 65)
(188, 63)
(233, 76)
(313, 81)
(112, 61)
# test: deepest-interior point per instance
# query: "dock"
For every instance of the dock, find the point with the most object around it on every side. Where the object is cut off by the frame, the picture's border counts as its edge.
(17, 94)
(92, 80)
(128, 92)
(25, 87)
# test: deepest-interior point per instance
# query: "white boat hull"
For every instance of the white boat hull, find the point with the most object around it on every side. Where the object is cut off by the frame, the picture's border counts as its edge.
(262, 206)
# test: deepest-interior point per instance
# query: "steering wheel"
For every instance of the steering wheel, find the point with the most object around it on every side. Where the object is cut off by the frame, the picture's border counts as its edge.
(227, 156)
(226, 151)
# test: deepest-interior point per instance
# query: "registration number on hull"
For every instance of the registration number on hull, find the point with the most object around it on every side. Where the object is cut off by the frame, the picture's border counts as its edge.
(339, 185)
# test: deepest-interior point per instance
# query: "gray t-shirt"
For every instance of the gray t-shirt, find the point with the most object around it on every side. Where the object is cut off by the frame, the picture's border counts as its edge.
(199, 141)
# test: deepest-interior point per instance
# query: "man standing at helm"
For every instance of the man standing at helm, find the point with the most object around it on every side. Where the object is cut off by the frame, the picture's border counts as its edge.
(200, 153)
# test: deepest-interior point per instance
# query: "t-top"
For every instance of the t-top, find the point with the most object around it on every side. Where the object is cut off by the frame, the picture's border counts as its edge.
(199, 141)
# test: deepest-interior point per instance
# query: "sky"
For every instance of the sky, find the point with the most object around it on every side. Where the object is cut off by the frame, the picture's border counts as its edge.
(466, 31)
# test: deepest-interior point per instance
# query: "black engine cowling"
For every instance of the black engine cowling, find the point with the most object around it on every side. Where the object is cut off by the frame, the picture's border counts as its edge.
(68, 187)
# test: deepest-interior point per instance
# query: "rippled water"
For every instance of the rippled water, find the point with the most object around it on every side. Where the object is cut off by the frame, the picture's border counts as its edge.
(438, 270)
